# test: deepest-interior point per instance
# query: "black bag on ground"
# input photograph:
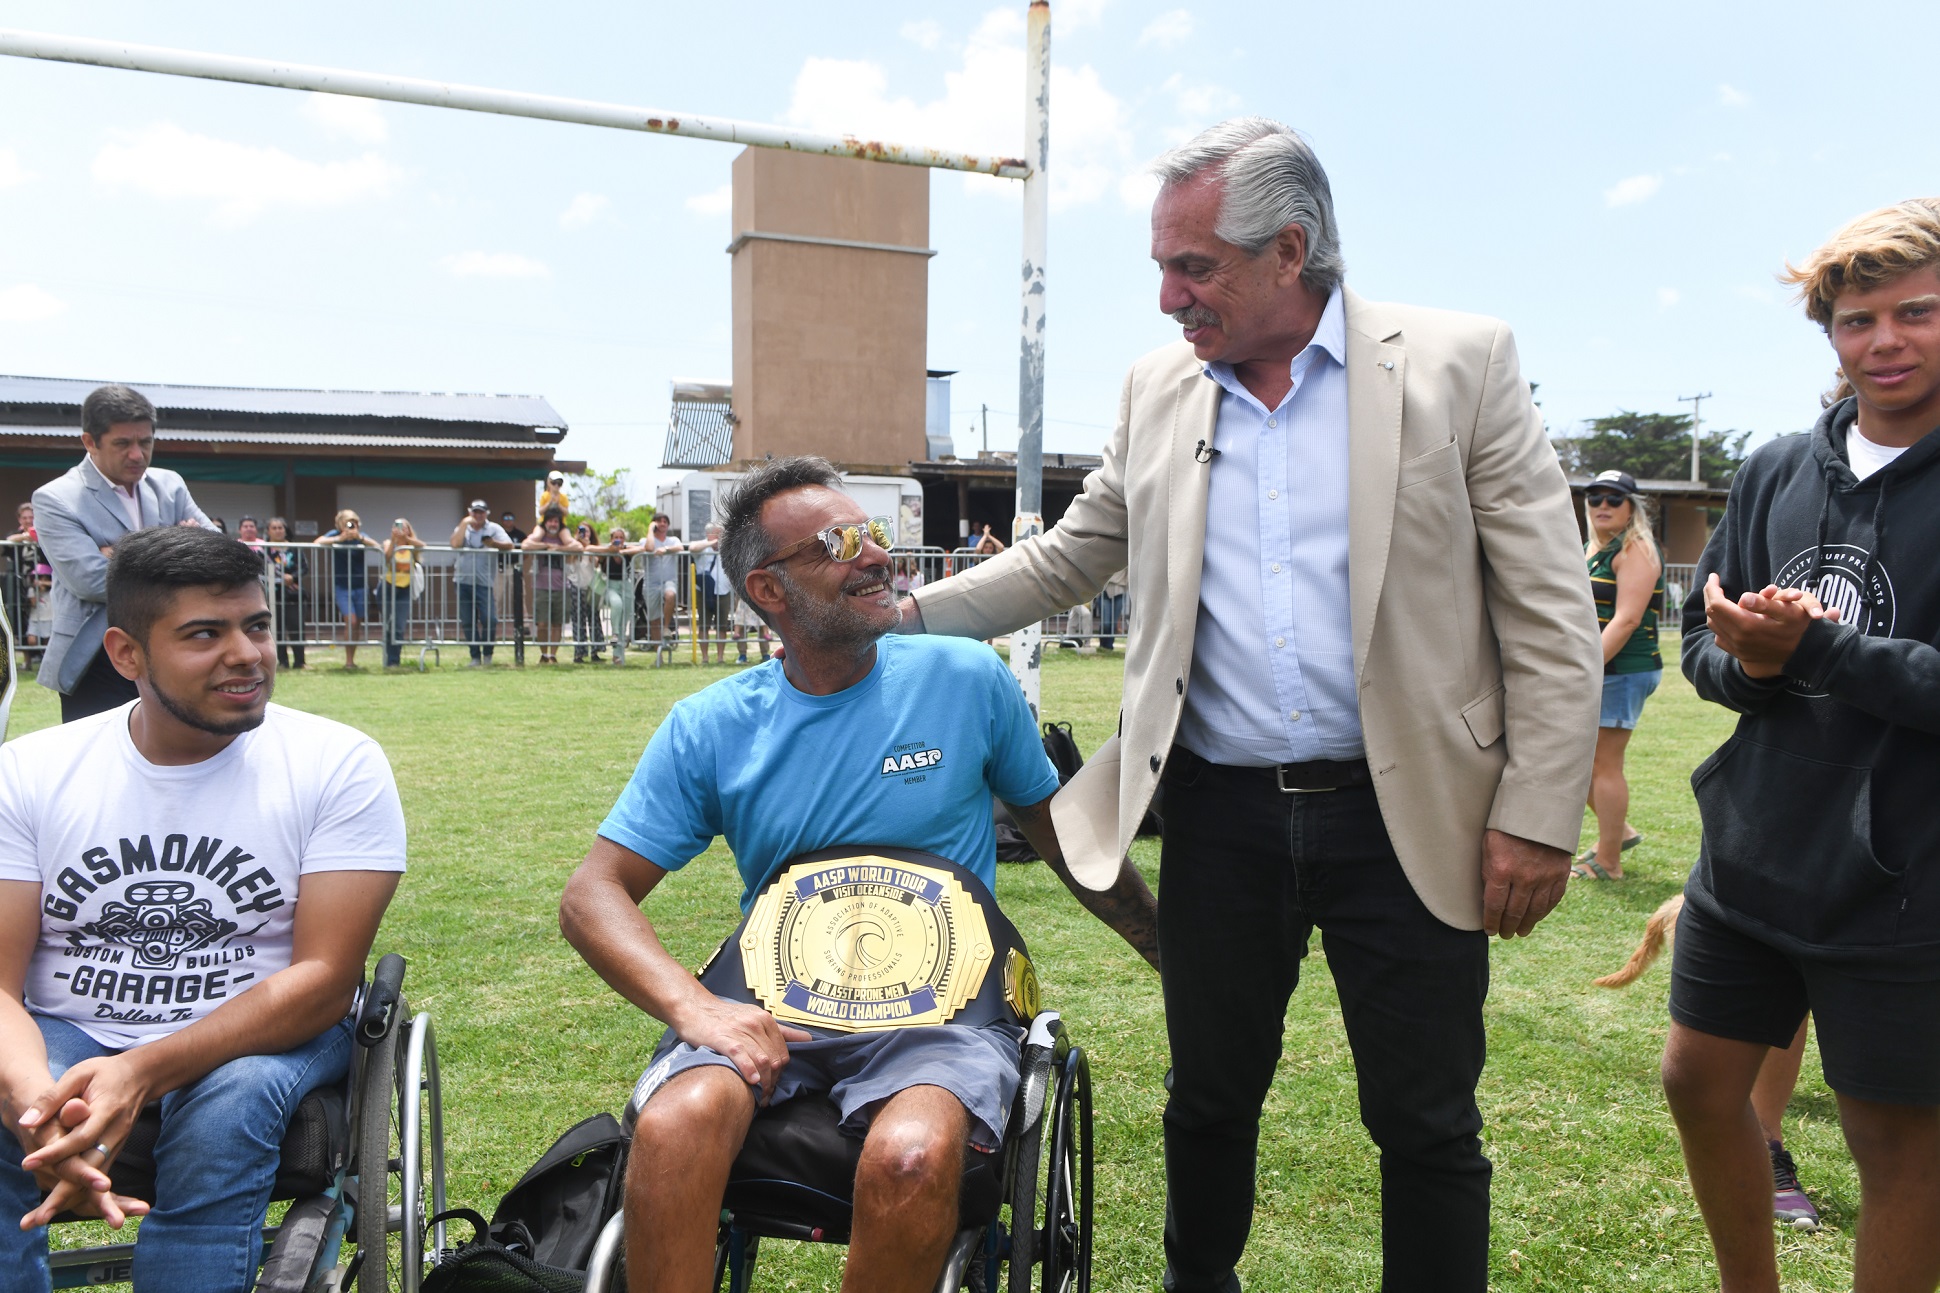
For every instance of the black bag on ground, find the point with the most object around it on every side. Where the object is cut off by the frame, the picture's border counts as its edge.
(556, 1210)
(486, 1266)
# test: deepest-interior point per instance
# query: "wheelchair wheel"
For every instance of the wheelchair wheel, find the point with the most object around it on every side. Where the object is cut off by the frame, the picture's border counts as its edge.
(1051, 1199)
(400, 1159)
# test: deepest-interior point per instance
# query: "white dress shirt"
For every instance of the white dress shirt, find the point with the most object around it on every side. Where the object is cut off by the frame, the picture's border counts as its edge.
(1273, 656)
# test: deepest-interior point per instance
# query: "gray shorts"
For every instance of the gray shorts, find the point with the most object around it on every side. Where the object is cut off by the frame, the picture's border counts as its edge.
(979, 1066)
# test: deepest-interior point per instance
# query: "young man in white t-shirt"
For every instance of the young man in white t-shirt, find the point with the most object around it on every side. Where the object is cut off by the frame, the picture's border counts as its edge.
(189, 887)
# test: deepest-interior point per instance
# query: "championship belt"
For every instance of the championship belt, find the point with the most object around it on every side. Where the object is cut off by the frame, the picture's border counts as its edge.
(860, 939)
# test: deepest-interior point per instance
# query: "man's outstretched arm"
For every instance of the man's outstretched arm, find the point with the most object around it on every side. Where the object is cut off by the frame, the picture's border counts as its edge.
(1128, 906)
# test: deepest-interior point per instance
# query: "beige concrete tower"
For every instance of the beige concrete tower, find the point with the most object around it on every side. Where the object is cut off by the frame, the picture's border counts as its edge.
(831, 308)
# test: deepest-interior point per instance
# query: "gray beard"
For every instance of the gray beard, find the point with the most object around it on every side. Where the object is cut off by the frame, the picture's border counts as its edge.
(828, 626)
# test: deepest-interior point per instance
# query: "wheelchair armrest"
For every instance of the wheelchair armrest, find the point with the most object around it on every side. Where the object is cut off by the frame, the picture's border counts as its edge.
(1045, 1046)
(379, 1013)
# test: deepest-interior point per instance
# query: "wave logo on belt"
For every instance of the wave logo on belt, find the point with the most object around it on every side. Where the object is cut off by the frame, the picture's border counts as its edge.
(911, 757)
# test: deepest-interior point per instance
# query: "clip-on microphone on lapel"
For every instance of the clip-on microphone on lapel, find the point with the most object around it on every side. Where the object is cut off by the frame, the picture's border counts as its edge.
(1204, 453)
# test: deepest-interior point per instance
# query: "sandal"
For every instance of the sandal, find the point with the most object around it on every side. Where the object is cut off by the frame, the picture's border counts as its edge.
(1631, 842)
(1588, 868)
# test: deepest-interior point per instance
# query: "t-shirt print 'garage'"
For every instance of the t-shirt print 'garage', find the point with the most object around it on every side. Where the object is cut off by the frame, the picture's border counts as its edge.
(166, 891)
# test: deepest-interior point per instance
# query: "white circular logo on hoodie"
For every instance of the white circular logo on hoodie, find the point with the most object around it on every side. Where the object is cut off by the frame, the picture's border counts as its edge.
(1843, 585)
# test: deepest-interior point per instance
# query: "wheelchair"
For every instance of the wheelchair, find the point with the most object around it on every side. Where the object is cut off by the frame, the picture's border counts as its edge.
(361, 1161)
(1024, 1214)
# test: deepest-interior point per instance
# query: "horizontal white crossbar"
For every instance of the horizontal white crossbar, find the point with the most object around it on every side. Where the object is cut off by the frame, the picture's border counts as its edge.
(474, 98)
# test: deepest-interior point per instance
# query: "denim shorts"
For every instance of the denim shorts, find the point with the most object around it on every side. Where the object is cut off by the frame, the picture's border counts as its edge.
(1624, 695)
(350, 601)
(979, 1066)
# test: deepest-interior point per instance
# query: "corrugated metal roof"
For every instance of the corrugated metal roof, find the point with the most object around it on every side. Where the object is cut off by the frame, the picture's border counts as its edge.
(511, 410)
(309, 438)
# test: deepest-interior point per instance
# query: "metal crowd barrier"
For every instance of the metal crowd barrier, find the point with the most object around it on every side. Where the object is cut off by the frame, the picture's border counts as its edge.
(325, 596)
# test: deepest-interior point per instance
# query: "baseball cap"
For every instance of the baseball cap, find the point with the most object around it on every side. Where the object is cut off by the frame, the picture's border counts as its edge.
(478, 505)
(1620, 481)
(558, 476)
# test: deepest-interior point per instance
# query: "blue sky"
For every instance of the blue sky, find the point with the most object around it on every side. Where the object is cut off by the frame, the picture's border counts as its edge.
(1621, 185)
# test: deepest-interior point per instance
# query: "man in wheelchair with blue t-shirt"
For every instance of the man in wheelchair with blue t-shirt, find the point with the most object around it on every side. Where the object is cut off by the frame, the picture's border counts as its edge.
(852, 780)
(189, 886)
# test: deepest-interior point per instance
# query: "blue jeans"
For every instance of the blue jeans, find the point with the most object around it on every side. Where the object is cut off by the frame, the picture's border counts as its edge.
(397, 621)
(476, 623)
(215, 1163)
(1110, 610)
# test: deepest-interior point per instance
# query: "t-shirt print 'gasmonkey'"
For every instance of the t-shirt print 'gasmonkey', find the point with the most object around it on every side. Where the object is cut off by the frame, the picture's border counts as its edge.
(166, 891)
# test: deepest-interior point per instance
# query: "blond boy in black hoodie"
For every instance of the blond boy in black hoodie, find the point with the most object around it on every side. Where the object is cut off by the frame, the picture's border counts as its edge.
(1818, 887)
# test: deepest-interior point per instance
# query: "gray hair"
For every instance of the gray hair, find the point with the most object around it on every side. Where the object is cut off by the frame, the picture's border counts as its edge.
(745, 543)
(108, 406)
(1272, 179)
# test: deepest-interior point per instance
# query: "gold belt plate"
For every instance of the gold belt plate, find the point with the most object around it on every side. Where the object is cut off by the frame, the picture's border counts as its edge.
(864, 943)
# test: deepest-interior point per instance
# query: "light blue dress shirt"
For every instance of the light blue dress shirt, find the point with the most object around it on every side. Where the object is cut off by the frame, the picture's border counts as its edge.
(1273, 655)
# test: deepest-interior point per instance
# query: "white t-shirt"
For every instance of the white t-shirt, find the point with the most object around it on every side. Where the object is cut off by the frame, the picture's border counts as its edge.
(1868, 457)
(166, 891)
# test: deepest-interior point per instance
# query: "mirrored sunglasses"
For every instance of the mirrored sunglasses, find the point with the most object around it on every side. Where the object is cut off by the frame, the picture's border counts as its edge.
(843, 542)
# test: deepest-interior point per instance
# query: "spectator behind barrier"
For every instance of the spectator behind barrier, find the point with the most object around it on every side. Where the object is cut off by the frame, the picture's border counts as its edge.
(788, 758)
(218, 984)
(478, 540)
(548, 543)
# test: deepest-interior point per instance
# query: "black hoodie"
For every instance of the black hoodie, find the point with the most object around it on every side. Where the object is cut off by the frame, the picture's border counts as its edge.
(1822, 812)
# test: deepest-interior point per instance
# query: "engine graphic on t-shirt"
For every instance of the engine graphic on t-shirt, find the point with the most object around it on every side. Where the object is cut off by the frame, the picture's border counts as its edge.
(160, 931)
(160, 920)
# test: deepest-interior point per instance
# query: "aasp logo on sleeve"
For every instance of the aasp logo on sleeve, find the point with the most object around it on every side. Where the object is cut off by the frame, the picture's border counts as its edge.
(912, 761)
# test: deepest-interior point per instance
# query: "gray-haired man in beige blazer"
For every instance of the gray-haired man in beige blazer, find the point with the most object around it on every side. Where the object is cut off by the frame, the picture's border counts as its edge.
(1366, 671)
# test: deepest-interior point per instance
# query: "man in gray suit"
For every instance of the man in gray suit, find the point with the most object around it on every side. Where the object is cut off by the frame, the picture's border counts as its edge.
(80, 516)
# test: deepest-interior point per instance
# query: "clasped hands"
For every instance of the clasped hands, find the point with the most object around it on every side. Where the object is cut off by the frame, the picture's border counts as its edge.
(65, 1131)
(1761, 630)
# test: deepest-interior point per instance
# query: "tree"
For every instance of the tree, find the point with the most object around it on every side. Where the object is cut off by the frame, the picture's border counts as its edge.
(1651, 446)
(600, 499)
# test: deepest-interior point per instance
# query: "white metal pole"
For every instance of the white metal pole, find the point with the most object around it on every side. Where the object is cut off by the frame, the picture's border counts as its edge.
(473, 98)
(1697, 422)
(1027, 644)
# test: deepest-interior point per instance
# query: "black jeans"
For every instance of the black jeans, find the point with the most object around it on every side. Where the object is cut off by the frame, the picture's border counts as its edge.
(100, 689)
(1247, 872)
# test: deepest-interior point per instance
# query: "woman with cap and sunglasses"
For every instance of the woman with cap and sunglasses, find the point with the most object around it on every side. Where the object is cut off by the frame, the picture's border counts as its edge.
(1627, 580)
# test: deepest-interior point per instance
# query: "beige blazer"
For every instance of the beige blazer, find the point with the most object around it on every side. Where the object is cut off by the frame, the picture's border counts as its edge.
(1475, 639)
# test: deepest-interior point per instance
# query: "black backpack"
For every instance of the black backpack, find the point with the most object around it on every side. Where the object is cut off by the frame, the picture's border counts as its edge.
(1062, 749)
(543, 1231)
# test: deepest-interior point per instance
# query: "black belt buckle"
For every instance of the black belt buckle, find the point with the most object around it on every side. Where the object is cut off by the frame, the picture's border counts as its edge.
(1280, 775)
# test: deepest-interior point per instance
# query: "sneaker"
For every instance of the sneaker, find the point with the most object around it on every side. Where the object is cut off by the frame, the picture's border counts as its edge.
(1789, 1204)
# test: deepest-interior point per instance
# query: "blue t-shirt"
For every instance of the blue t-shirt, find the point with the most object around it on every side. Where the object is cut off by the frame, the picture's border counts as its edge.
(907, 758)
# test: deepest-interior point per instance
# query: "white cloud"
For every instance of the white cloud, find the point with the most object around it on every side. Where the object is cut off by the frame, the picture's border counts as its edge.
(1138, 190)
(718, 202)
(343, 117)
(242, 180)
(980, 110)
(1668, 296)
(584, 209)
(28, 303)
(1199, 103)
(12, 173)
(1637, 188)
(493, 264)
(1073, 14)
(1169, 28)
(924, 35)
(1732, 98)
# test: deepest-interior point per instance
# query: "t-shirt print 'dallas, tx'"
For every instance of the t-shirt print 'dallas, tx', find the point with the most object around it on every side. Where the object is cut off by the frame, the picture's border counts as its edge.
(166, 891)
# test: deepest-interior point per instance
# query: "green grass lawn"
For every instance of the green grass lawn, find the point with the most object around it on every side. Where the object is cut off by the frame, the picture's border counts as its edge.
(506, 774)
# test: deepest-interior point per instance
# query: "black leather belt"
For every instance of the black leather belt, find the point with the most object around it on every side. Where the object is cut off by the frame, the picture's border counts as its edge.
(1312, 777)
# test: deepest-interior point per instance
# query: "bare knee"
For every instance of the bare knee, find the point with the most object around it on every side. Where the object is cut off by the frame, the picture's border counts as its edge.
(1707, 1079)
(1891, 1139)
(702, 1106)
(909, 1157)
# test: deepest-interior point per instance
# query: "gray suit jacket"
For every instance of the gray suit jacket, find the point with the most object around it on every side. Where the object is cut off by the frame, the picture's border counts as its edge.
(76, 515)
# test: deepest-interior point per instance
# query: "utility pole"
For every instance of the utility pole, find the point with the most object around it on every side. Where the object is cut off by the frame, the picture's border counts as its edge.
(986, 430)
(1697, 421)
